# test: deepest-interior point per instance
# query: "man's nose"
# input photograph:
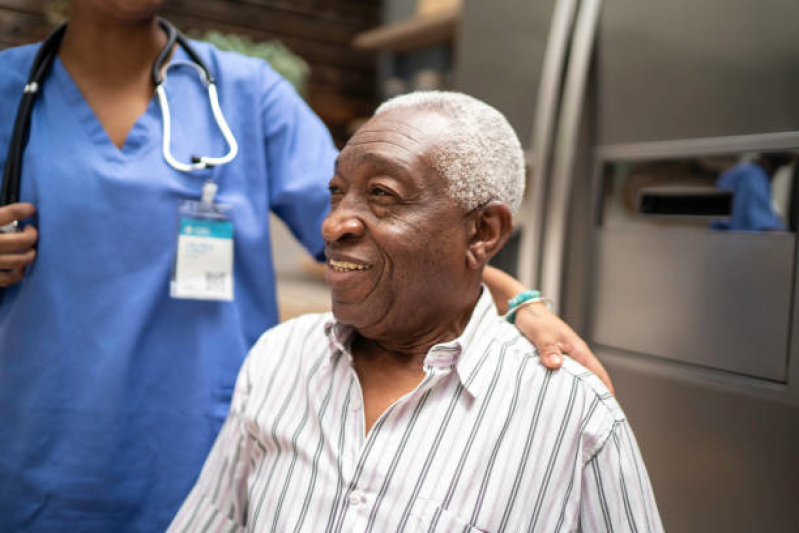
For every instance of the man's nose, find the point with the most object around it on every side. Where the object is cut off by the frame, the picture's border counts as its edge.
(341, 224)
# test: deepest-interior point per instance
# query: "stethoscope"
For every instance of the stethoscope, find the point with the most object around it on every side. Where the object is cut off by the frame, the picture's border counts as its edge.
(41, 67)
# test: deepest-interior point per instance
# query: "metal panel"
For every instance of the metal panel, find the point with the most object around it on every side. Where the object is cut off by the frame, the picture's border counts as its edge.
(565, 152)
(720, 459)
(500, 53)
(683, 69)
(532, 215)
(509, 70)
(694, 327)
(719, 300)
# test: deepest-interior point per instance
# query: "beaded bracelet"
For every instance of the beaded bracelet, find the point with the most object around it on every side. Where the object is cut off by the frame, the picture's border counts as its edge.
(523, 299)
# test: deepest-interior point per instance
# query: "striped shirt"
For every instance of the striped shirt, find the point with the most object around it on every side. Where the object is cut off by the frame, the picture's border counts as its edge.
(490, 440)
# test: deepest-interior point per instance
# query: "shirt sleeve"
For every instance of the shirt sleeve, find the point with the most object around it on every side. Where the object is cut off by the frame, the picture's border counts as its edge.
(301, 160)
(616, 492)
(218, 501)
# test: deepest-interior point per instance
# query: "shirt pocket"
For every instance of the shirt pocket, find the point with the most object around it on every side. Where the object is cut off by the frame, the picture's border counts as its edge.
(427, 515)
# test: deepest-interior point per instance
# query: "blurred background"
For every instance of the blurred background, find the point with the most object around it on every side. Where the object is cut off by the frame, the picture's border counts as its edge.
(662, 200)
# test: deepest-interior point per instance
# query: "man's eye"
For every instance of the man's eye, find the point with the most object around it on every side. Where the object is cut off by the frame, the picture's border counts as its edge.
(380, 192)
(334, 190)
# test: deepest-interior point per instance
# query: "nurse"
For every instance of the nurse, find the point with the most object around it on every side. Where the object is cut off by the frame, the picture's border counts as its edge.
(116, 371)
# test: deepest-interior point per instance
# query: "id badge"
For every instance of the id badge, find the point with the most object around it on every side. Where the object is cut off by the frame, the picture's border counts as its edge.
(203, 267)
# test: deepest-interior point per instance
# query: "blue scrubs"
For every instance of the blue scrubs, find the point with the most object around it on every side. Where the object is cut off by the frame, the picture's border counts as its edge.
(111, 392)
(752, 208)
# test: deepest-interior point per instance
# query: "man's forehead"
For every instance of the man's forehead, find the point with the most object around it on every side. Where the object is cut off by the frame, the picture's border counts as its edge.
(353, 157)
(398, 138)
(418, 127)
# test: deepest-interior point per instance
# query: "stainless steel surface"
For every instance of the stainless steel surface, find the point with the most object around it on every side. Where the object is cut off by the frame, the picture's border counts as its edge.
(664, 204)
(722, 457)
(701, 297)
(707, 146)
(686, 69)
(532, 214)
(500, 55)
(681, 79)
(719, 426)
(744, 191)
(500, 59)
(562, 179)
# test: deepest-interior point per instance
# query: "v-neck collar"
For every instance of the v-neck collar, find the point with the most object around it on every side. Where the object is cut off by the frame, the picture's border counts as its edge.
(145, 131)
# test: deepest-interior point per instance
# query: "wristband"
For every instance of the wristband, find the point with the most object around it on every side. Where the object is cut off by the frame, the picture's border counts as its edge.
(523, 299)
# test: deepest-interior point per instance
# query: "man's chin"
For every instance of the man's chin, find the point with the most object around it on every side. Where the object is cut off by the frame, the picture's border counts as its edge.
(355, 315)
(346, 313)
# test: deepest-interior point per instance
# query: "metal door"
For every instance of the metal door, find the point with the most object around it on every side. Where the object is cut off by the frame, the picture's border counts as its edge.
(661, 100)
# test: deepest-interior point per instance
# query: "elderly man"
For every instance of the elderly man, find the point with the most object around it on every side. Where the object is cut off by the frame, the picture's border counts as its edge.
(415, 406)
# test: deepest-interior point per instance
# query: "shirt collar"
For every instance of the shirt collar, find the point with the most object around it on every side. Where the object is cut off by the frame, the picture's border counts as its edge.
(475, 343)
(467, 353)
(339, 337)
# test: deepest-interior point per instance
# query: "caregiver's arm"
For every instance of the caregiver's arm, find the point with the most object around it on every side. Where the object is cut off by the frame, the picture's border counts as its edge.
(550, 335)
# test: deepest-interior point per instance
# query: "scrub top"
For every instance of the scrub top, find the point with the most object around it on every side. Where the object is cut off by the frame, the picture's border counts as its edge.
(752, 205)
(111, 392)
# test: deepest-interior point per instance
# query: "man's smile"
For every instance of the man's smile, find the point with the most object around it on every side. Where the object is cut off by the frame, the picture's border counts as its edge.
(347, 266)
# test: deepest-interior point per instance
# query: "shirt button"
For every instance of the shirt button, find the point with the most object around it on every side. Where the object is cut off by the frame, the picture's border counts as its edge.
(356, 498)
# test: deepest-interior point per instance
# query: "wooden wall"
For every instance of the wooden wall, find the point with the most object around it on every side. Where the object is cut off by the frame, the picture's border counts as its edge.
(342, 81)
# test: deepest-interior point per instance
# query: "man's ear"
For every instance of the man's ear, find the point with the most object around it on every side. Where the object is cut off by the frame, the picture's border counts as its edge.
(491, 226)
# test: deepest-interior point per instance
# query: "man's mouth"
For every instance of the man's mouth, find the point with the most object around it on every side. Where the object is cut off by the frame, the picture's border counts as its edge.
(347, 266)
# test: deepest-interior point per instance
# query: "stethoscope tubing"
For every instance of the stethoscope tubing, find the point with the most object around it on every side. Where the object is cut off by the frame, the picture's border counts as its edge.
(198, 162)
(41, 67)
(42, 64)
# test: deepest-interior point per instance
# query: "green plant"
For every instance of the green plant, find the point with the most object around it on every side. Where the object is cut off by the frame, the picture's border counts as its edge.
(284, 61)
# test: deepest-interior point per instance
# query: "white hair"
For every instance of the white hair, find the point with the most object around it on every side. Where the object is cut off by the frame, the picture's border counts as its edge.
(481, 157)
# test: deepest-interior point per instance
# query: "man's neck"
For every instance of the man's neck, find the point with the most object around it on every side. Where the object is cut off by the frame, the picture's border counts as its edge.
(385, 376)
(391, 364)
(407, 337)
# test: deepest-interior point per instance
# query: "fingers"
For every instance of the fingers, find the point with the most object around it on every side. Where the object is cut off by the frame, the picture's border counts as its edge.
(551, 355)
(14, 261)
(552, 338)
(583, 355)
(11, 277)
(18, 242)
(16, 249)
(540, 332)
(10, 213)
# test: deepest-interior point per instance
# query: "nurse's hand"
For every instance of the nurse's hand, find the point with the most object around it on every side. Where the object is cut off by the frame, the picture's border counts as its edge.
(16, 249)
(553, 337)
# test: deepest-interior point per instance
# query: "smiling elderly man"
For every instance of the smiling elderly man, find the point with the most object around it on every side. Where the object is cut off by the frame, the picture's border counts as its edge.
(415, 407)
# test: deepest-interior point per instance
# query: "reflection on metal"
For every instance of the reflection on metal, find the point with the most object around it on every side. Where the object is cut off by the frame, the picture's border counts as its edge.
(724, 191)
(565, 148)
(683, 148)
(685, 202)
(713, 299)
(532, 215)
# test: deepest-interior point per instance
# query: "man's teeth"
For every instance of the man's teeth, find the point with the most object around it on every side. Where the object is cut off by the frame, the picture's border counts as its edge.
(344, 266)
